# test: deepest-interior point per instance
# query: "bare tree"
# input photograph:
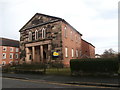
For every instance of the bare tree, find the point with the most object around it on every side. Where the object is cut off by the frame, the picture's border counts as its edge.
(109, 53)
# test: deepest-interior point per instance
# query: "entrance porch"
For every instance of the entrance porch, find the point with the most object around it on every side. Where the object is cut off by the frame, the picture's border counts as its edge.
(38, 52)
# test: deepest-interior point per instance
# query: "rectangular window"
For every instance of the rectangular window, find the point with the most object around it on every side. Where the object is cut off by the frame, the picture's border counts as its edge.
(72, 52)
(11, 49)
(71, 34)
(76, 38)
(80, 53)
(16, 55)
(65, 29)
(4, 48)
(66, 52)
(11, 55)
(17, 49)
(4, 56)
(76, 53)
(30, 57)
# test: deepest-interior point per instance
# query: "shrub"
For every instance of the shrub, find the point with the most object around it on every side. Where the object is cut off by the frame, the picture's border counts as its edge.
(102, 65)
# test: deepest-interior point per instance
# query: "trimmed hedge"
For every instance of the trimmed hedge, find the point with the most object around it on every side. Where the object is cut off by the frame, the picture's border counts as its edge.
(26, 68)
(105, 65)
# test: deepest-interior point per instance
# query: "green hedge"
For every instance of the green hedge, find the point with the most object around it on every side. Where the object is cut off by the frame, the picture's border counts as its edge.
(30, 66)
(93, 65)
(26, 68)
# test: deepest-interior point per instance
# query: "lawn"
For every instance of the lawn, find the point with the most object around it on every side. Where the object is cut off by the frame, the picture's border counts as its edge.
(61, 71)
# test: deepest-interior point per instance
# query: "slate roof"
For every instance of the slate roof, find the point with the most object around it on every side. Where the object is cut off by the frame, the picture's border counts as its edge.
(9, 42)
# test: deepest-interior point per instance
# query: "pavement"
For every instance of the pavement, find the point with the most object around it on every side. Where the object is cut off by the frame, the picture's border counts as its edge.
(95, 81)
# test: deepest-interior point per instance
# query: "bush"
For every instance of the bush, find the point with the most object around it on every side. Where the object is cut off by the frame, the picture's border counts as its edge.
(102, 65)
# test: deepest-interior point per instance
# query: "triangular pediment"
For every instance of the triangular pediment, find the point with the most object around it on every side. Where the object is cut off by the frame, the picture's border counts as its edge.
(38, 19)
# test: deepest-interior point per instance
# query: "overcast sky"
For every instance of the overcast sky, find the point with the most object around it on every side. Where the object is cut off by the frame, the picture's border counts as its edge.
(97, 20)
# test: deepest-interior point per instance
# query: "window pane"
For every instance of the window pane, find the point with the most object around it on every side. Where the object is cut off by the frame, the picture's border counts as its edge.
(4, 48)
(66, 52)
(72, 53)
(4, 56)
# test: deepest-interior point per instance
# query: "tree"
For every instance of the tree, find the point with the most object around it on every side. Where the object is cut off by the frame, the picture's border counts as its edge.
(109, 53)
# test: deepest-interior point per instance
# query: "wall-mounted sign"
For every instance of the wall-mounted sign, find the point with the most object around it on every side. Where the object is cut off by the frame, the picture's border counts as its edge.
(55, 54)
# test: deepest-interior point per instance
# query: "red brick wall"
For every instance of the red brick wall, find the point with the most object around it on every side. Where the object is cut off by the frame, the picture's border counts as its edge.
(92, 51)
(85, 49)
(7, 59)
(75, 43)
(88, 51)
(0, 55)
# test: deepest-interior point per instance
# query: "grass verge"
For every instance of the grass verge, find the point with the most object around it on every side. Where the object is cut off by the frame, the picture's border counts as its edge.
(61, 71)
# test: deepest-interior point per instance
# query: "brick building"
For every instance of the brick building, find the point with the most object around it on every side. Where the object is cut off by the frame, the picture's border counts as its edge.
(88, 50)
(9, 51)
(44, 36)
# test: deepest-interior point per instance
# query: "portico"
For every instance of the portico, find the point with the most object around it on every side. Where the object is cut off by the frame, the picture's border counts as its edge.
(38, 51)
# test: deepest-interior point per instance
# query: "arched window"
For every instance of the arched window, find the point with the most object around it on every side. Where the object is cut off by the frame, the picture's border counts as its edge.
(43, 33)
(36, 34)
(30, 36)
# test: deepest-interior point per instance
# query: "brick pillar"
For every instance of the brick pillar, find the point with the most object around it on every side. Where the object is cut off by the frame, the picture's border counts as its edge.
(41, 53)
(33, 53)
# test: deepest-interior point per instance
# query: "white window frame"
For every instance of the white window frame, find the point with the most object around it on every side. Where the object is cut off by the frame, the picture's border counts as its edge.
(4, 57)
(43, 33)
(65, 33)
(11, 54)
(30, 36)
(66, 52)
(10, 62)
(36, 34)
(11, 49)
(16, 55)
(5, 48)
(72, 52)
(17, 49)
(77, 53)
(4, 63)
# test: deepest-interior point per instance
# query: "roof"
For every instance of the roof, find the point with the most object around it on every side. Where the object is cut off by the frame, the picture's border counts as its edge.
(57, 19)
(9, 42)
(88, 43)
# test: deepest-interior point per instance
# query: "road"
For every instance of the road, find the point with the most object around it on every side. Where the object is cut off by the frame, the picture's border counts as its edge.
(22, 83)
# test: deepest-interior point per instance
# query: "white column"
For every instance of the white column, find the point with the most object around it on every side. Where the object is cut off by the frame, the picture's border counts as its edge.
(41, 52)
(49, 51)
(27, 55)
(33, 53)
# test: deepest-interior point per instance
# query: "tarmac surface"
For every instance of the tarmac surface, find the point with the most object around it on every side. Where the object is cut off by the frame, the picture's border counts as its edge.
(99, 81)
